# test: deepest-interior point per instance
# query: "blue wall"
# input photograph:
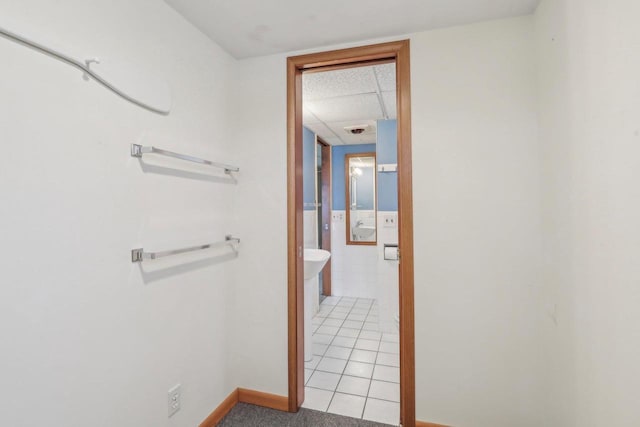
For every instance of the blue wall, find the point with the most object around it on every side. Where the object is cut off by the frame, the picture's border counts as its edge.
(308, 169)
(387, 153)
(337, 170)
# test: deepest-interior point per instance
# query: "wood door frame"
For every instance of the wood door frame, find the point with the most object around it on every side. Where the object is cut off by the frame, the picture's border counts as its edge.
(347, 199)
(326, 204)
(397, 51)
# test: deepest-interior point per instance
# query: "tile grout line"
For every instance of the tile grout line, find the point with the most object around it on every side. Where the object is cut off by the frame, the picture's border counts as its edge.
(345, 365)
(347, 362)
(370, 379)
(364, 407)
(315, 368)
(351, 394)
(360, 330)
(339, 379)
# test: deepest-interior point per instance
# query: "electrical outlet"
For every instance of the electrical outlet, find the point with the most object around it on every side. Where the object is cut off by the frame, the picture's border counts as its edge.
(174, 395)
(390, 221)
(337, 217)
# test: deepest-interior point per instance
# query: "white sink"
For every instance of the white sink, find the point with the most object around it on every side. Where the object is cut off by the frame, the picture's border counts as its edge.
(363, 231)
(314, 261)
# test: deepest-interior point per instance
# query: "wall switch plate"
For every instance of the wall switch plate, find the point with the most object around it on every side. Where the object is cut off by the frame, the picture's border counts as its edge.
(390, 221)
(175, 395)
(337, 217)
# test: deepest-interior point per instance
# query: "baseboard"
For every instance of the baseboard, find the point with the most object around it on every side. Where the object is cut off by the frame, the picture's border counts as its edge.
(267, 400)
(426, 424)
(273, 401)
(223, 409)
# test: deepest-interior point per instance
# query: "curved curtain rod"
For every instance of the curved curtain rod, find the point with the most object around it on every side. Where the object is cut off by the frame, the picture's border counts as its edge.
(85, 67)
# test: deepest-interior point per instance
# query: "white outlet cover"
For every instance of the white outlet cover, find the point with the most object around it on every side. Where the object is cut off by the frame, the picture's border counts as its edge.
(174, 397)
(390, 221)
(338, 217)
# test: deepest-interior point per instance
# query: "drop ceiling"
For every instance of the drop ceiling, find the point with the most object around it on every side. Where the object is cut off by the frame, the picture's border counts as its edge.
(247, 28)
(353, 97)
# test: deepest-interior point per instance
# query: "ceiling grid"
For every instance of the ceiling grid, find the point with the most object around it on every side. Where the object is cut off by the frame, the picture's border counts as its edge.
(360, 96)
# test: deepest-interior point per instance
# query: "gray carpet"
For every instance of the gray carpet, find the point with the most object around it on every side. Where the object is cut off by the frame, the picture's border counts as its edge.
(245, 415)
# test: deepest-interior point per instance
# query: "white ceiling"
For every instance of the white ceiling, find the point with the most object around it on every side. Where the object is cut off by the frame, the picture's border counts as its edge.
(333, 100)
(247, 28)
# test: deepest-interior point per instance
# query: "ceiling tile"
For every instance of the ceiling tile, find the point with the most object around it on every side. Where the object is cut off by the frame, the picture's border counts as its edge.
(330, 84)
(308, 117)
(386, 75)
(347, 108)
(338, 127)
(321, 130)
(333, 141)
(364, 138)
(367, 137)
(389, 99)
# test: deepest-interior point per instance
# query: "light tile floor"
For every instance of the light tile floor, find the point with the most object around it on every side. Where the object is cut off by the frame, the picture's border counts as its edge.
(355, 370)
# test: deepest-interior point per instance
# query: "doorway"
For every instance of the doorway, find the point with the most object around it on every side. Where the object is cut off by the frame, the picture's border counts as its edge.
(347, 58)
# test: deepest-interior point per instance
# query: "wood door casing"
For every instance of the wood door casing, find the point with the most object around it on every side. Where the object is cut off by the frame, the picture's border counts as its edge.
(398, 51)
(325, 173)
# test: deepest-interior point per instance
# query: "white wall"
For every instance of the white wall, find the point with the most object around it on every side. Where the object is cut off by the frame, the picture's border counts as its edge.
(587, 54)
(310, 227)
(258, 353)
(388, 292)
(477, 225)
(353, 267)
(557, 165)
(88, 338)
(362, 271)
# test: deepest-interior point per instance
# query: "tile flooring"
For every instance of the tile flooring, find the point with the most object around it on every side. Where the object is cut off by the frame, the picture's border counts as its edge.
(355, 370)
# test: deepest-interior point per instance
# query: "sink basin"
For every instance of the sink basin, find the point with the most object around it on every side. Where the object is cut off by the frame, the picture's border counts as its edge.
(314, 261)
(363, 231)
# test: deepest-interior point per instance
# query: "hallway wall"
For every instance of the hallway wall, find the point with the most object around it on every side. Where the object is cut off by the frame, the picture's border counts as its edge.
(90, 339)
(588, 62)
(258, 355)
(477, 224)
(476, 165)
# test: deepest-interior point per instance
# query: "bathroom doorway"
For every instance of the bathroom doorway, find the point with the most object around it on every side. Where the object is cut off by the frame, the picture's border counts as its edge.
(398, 54)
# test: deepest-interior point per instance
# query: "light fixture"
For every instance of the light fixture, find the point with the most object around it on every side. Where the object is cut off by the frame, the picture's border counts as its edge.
(357, 129)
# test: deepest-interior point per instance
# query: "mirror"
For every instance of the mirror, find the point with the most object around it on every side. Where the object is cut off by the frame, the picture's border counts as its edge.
(360, 191)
